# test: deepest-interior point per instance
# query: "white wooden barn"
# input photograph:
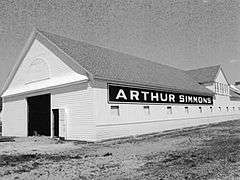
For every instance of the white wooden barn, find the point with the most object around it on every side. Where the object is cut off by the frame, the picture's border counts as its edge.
(62, 87)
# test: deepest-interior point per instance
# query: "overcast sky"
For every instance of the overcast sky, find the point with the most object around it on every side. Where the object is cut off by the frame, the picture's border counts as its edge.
(186, 34)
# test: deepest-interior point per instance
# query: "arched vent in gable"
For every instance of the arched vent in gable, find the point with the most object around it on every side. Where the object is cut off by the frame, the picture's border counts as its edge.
(37, 70)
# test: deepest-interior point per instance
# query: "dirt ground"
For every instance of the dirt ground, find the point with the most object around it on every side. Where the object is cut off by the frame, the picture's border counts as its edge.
(205, 152)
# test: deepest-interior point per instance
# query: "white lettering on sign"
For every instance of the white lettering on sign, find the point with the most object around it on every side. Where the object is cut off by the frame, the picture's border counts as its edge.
(121, 94)
(165, 97)
(134, 94)
(171, 98)
(145, 93)
(181, 98)
(125, 94)
(154, 96)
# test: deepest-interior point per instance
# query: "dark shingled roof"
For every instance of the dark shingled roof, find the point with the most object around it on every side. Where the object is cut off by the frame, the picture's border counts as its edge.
(108, 64)
(234, 94)
(204, 75)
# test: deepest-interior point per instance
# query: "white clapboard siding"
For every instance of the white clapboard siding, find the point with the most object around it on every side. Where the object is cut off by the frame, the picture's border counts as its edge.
(115, 131)
(77, 100)
(14, 117)
(132, 119)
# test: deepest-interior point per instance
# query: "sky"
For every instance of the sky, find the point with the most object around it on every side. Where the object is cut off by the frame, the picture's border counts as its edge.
(185, 34)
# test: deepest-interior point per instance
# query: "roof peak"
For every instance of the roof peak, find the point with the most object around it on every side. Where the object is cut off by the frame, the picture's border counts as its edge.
(204, 74)
(112, 65)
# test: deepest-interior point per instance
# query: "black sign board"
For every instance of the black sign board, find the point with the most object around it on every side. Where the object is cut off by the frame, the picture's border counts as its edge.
(126, 94)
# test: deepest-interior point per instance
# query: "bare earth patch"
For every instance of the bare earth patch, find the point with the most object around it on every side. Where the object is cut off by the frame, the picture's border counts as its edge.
(204, 152)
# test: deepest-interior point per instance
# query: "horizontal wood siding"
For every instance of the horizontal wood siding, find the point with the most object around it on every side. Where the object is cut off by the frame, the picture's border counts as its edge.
(77, 100)
(14, 117)
(121, 130)
(133, 120)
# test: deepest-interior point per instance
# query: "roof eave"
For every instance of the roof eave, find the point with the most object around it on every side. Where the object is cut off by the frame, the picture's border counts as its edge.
(89, 74)
(36, 34)
(22, 55)
(156, 86)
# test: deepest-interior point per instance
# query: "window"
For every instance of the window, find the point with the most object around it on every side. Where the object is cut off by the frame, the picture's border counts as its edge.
(225, 89)
(218, 85)
(169, 110)
(227, 109)
(200, 109)
(211, 109)
(233, 108)
(219, 108)
(146, 110)
(115, 110)
(186, 110)
(217, 88)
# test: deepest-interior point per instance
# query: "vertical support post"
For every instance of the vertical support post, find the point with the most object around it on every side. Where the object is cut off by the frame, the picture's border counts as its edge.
(52, 124)
(62, 123)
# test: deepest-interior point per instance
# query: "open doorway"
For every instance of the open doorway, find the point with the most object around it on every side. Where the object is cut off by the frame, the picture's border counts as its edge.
(39, 115)
(55, 122)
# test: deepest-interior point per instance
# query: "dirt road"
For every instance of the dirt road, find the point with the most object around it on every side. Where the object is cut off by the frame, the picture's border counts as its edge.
(205, 152)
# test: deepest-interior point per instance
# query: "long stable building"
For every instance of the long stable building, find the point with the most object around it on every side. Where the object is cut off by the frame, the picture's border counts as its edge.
(71, 89)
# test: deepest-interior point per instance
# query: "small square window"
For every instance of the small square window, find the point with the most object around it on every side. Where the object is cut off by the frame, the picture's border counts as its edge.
(169, 110)
(146, 110)
(200, 109)
(186, 110)
(115, 110)
(211, 109)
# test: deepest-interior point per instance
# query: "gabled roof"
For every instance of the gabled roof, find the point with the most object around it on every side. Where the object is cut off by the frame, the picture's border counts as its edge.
(234, 88)
(234, 94)
(205, 74)
(106, 64)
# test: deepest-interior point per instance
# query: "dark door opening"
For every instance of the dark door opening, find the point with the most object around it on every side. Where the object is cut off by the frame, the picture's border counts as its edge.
(39, 115)
(56, 122)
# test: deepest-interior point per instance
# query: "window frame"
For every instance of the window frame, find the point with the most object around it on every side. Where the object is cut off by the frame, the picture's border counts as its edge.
(115, 107)
(169, 110)
(146, 109)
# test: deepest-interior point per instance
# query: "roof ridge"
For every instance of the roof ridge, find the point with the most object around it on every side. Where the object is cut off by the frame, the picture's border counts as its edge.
(126, 66)
(111, 49)
(218, 65)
